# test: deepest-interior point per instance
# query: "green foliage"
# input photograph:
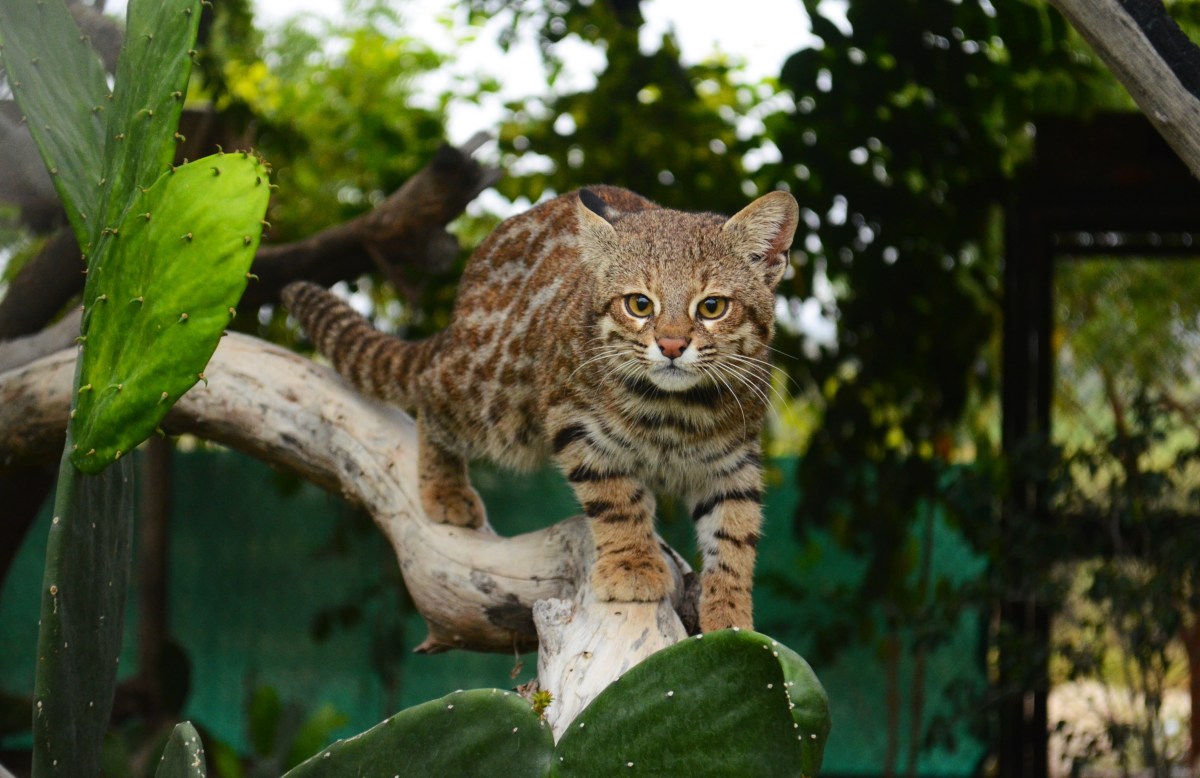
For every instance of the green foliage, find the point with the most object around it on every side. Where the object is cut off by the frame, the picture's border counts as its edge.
(337, 104)
(167, 283)
(184, 754)
(651, 124)
(83, 605)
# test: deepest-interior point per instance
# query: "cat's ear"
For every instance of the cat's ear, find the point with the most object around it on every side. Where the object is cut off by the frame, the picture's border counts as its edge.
(763, 231)
(597, 238)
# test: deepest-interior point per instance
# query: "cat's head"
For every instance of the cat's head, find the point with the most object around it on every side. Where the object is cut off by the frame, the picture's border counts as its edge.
(682, 298)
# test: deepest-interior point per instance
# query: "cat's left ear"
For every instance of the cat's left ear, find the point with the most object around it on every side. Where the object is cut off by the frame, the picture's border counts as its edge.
(763, 231)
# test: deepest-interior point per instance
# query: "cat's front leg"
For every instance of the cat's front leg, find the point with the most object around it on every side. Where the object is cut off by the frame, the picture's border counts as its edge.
(728, 519)
(629, 564)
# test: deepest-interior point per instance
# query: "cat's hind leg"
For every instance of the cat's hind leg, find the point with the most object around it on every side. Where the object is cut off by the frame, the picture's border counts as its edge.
(446, 492)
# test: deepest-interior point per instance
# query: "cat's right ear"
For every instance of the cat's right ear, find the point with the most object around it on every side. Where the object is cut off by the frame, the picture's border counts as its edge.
(597, 238)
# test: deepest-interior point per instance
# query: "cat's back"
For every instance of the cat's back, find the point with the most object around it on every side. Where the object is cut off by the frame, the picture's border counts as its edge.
(540, 241)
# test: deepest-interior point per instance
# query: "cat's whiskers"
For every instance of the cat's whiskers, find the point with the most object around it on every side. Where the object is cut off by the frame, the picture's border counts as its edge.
(713, 374)
(745, 378)
(611, 352)
(770, 368)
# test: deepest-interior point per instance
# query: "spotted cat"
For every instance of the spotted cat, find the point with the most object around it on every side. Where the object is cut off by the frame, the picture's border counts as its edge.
(626, 342)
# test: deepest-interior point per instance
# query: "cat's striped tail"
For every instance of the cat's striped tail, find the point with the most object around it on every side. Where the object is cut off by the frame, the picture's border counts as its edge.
(379, 364)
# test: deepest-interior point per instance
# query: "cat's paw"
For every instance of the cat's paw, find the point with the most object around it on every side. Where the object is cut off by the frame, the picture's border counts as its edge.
(624, 579)
(457, 505)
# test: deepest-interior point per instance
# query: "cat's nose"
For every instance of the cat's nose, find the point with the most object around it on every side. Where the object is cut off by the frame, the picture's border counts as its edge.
(672, 348)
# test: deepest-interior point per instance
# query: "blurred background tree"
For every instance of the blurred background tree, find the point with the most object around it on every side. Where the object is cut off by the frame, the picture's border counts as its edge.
(901, 130)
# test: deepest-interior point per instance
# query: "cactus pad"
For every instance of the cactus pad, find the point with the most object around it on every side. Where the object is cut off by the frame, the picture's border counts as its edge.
(484, 732)
(163, 296)
(724, 703)
(184, 755)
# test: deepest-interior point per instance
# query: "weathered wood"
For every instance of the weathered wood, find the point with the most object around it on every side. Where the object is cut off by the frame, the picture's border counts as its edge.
(1154, 60)
(475, 589)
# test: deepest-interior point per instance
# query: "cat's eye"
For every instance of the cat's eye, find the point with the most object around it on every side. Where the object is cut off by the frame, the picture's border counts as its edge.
(712, 307)
(639, 305)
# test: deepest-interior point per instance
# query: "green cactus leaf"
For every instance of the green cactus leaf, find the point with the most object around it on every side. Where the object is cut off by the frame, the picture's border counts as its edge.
(184, 755)
(160, 298)
(60, 87)
(484, 732)
(151, 80)
(83, 607)
(716, 705)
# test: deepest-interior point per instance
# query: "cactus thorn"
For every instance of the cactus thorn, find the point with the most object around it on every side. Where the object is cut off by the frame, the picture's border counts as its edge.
(139, 299)
(251, 277)
(97, 109)
(81, 339)
(163, 397)
(191, 52)
(232, 311)
(186, 236)
(91, 452)
(102, 298)
(273, 187)
(149, 36)
(220, 150)
(71, 414)
(159, 430)
(203, 378)
(179, 137)
(246, 240)
(117, 455)
(33, 61)
(85, 388)
(187, 11)
(266, 224)
(182, 318)
(177, 94)
(54, 171)
(120, 387)
(146, 216)
(102, 182)
(120, 136)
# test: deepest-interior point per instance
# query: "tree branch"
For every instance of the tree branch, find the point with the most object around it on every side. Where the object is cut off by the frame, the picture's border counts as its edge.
(405, 230)
(1155, 61)
(476, 590)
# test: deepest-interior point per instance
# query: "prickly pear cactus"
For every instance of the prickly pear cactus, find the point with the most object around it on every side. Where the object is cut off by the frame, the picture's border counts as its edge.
(184, 755)
(170, 251)
(724, 703)
(174, 269)
(484, 732)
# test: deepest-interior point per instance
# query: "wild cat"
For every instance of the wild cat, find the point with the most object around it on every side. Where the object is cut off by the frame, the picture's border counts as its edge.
(625, 341)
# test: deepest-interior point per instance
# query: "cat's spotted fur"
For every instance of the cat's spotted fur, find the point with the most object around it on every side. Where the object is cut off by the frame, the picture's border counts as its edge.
(584, 331)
